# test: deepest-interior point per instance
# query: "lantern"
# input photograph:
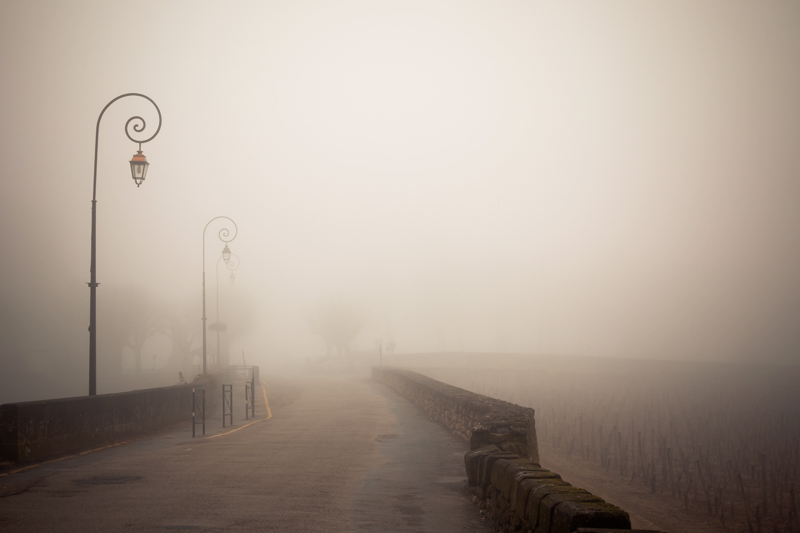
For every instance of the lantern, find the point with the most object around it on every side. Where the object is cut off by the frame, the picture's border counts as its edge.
(139, 166)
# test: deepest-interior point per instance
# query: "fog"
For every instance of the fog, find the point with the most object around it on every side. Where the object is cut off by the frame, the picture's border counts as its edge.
(597, 179)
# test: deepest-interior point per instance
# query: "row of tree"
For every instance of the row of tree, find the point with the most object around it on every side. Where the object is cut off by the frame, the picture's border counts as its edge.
(134, 321)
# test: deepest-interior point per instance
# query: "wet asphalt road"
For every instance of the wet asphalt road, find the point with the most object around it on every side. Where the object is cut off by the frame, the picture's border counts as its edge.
(341, 454)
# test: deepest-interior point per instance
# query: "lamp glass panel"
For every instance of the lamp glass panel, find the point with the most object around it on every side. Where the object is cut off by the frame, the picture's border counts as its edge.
(139, 170)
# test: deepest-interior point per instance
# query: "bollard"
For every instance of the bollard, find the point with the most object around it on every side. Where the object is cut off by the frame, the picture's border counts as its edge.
(247, 392)
(227, 403)
(202, 411)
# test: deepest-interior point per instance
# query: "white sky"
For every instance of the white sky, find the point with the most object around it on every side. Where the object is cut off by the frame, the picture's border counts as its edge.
(605, 178)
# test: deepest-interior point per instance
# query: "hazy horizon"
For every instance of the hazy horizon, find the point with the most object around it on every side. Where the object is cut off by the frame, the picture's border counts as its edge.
(607, 179)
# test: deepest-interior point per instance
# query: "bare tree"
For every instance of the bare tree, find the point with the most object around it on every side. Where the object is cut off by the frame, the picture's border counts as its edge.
(338, 324)
(178, 325)
(128, 318)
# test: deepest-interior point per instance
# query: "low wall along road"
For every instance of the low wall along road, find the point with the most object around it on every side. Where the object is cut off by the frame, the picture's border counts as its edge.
(503, 465)
(32, 431)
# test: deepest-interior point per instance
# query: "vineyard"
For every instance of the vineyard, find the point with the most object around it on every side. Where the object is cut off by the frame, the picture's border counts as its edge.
(723, 440)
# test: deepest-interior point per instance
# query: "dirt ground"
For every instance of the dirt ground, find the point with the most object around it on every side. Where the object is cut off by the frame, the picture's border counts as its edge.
(648, 511)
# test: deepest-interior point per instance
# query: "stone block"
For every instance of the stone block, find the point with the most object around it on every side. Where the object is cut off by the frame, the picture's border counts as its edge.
(485, 466)
(498, 471)
(506, 483)
(539, 489)
(564, 494)
(571, 515)
(524, 480)
(472, 462)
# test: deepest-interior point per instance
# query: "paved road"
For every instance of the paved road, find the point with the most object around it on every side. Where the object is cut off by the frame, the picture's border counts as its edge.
(338, 454)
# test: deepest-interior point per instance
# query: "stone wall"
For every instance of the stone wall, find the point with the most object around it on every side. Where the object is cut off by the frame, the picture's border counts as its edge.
(32, 431)
(502, 466)
(478, 419)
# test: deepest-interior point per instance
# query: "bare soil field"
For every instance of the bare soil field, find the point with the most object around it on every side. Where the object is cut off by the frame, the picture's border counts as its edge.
(682, 446)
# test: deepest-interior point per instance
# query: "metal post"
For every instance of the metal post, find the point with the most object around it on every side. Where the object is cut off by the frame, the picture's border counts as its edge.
(93, 289)
(227, 403)
(216, 281)
(204, 304)
(246, 401)
(223, 233)
(202, 413)
(233, 264)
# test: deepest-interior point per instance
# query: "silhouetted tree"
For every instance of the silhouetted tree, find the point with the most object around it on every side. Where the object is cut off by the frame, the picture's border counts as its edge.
(338, 324)
(180, 326)
(127, 318)
(239, 312)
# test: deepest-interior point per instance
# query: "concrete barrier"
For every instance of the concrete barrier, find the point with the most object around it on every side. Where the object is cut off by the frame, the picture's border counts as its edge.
(32, 431)
(502, 466)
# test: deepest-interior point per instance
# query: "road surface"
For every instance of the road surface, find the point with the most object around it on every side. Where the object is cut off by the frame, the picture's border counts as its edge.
(339, 453)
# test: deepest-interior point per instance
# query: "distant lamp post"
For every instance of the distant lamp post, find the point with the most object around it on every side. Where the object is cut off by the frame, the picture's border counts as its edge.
(223, 236)
(233, 278)
(139, 166)
(233, 264)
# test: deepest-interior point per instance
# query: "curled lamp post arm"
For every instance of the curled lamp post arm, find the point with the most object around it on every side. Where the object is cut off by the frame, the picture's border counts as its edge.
(138, 127)
(223, 234)
(233, 264)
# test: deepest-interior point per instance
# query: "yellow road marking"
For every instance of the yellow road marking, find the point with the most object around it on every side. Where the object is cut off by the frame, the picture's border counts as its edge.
(264, 390)
(269, 415)
(235, 430)
(61, 458)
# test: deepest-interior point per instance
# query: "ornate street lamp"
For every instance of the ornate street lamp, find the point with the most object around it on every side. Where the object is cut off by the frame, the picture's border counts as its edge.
(223, 236)
(138, 171)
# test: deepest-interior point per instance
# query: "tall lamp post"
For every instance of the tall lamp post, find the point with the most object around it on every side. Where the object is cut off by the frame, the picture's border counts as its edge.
(139, 166)
(226, 255)
(233, 264)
